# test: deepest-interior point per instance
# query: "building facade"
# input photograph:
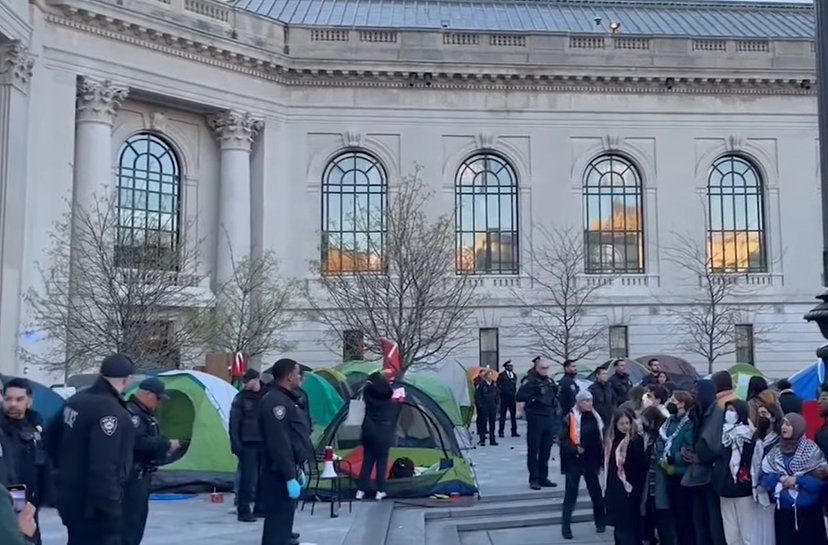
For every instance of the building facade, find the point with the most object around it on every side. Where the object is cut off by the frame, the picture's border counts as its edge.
(640, 125)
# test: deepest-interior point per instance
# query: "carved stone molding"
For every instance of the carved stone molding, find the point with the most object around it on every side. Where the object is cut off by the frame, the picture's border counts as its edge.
(16, 65)
(485, 140)
(157, 121)
(352, 139)
(734, 143)
(234, 129)
(612, 142)
(99, 101)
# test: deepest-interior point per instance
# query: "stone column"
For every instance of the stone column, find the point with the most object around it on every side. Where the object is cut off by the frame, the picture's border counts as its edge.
(97, 105)
(16, 65)
(236, 132)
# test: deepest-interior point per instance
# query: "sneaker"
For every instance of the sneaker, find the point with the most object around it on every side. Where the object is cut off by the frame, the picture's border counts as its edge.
(359, 495)
(380, 496)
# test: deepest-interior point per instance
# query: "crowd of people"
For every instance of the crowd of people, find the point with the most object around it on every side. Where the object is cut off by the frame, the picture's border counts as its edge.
(680, 467)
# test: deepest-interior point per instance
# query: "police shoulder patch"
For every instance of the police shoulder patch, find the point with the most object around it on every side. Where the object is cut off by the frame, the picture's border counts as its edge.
(109, 424)
(279, 412)
(136, 421)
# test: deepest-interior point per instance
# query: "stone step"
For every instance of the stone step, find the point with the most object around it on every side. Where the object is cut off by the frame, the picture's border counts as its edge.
(501, 509)
(371, 524)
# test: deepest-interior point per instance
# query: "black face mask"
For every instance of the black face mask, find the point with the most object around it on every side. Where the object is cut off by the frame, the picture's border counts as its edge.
(672, 408)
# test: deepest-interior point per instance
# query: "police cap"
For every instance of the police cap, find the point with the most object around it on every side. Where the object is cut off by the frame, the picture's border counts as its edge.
(155, 386)
(116, 366)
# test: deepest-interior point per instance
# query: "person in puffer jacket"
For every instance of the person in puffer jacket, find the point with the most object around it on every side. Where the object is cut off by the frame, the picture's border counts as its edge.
(795, 470)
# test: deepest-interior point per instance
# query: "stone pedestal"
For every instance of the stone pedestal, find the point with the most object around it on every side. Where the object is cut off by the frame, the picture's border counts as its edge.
(235, 132)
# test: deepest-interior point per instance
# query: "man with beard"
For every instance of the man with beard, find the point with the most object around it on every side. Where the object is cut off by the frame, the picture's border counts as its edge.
(24, 431)
(540, 394)
(7, 465)
(568, 388)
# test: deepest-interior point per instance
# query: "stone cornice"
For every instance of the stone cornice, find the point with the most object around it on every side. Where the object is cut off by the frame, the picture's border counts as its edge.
(16, 65)
(99, 101)
(228, 55)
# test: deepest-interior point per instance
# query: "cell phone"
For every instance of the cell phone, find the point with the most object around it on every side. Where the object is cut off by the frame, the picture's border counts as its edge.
(18, 496)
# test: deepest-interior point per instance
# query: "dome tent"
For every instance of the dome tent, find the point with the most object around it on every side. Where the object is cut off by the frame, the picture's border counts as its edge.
(425, 434)
(635, 370)
(679, 371)
(453, 375)
(337, 380)
(198, 415)
(357, 371)
(323, 401)
(435, 387)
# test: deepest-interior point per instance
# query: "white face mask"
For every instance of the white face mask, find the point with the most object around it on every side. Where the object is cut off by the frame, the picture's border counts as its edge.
(731, 417)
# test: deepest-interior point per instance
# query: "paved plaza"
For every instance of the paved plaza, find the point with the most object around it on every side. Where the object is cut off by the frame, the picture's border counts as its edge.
(501, 472)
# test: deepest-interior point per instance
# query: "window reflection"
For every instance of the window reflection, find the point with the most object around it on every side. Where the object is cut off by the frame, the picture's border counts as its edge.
(736, 232)
(148, 185)
(353, 214)
(486, 207)
(613, 223)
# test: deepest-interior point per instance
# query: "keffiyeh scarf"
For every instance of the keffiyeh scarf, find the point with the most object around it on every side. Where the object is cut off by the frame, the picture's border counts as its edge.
(668, 439)
(734, 437)
(620, 459)
(807, 458)
(760, 449)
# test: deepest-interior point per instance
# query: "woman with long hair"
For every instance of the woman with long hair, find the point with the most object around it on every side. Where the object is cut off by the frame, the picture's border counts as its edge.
(625, 468)
(378, 428)
(655, 505)
(795, 470)
(678, 433)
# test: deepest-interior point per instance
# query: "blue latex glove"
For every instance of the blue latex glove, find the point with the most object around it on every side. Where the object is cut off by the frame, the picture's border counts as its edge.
(303, 480)
(294, 489)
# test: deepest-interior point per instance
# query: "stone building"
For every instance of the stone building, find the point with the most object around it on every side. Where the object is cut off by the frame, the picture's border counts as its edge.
(630, 121)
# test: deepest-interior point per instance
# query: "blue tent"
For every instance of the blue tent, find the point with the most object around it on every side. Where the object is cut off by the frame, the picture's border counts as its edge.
(806, 382)
(45, 401)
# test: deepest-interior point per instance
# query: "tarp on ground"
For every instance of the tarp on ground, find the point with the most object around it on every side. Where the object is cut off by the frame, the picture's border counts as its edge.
(425, 434)
(806, 382)
(679, 371)
(198, 415)
(323, 401)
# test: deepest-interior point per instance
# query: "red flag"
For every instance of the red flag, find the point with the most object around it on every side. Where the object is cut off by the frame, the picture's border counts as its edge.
(238, 369)
(391, 356)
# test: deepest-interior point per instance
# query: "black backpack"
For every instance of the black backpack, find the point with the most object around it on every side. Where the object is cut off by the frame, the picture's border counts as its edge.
(402, 468)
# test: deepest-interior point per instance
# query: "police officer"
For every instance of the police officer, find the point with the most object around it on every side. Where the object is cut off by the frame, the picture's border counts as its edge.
(507, 384)
(151, 450)
(540, 394)
(8, 473)
(568, 387)
(92, 449)
(24, 430)
(287, 439)
(246, 442)
(486, 399)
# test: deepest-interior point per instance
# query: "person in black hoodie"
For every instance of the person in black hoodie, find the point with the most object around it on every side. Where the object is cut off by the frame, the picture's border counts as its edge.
(602, 399)
(507, 384)
(788, 400)
(378, 428)
(246, 441)
(620, 381)
(568, 387)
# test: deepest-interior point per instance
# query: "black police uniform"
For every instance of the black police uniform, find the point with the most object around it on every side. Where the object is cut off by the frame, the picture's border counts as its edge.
(507, 384)
(540, 394)
(568, 389)
(150, 451)
(286, 438)
(92, 449)
(621, 385)
(486, 399)
(31, 464)
(247, 444)
(8, 474)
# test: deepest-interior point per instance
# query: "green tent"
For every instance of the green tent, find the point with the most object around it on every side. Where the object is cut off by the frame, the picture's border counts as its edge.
(431, 383)
(425, 434)
(337, 380)
(356, 371)
(198, 415)
(323, 401)
(742, 373)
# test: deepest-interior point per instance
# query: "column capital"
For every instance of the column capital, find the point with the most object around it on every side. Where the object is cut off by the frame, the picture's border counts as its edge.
(99, 101)
(234, 129)
(16, 65)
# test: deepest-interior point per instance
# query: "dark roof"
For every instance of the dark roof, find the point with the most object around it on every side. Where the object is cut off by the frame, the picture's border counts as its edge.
(698, 19)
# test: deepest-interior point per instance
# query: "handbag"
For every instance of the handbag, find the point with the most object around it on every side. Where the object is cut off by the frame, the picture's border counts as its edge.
(356, 412)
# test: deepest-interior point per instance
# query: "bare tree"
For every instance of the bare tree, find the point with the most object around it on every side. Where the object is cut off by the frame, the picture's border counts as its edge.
(412, 295)
(107, 289)
(253, 309)
(560, 297)
(705, 322)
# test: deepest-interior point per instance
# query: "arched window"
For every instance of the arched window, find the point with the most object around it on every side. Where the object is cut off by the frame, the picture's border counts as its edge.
(354, 187)
(613, 217)
(736, 222)
(149, 204)
(486, 204)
